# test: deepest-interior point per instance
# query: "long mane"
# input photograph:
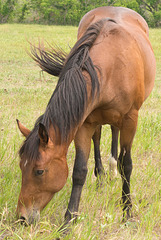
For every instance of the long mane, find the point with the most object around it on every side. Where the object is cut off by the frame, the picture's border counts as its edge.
(68, 102)
(51, 61)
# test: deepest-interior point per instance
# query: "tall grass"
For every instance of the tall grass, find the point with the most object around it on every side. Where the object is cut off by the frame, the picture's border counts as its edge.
(24, 93)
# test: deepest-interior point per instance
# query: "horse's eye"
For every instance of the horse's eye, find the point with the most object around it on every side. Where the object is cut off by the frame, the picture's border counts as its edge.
(39, 172)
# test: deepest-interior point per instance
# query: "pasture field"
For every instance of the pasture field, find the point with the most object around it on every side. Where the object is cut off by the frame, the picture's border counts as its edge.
(24, 94)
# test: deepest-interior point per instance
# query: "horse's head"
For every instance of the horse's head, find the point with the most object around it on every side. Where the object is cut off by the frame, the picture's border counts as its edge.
(42, 176)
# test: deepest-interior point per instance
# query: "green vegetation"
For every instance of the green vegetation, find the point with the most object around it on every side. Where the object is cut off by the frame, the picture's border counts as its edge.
(24, 94)
(69, 12)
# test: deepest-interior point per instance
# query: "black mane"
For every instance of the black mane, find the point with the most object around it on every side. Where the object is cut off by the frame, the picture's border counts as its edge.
(69, 99)
(51, 61)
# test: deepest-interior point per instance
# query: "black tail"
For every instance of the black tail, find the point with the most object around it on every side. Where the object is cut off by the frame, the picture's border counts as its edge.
(51, 61)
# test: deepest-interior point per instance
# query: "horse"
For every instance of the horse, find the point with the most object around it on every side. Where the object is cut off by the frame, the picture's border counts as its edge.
(105, 79)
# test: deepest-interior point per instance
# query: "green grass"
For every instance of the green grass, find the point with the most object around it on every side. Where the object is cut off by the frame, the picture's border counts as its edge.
(24, 93)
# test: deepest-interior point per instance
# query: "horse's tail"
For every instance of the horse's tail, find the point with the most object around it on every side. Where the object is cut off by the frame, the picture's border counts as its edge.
(50, 61)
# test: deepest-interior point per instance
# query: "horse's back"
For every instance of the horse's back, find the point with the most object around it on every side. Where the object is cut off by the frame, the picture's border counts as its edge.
(123, 48)
(121, 74)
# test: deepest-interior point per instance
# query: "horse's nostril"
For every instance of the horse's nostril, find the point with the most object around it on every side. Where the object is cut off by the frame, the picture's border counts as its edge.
(23, 220)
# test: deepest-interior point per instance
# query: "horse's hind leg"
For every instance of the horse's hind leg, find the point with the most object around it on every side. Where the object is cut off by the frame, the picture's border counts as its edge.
(114, 152)
(98, 170)
(127, 133)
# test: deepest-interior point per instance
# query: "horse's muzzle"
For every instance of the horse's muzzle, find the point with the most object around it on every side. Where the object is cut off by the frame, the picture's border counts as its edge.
(32, 218)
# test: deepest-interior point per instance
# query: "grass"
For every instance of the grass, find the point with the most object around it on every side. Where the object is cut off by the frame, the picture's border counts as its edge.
(24, 93)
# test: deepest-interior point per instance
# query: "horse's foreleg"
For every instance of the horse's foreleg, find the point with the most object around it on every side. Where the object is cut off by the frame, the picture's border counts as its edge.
(127, 133)
(114, 152)
(79, 177)
(82, 144)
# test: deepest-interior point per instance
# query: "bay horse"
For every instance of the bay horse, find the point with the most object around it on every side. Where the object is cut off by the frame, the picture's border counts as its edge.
(52, 62)
(105, 79)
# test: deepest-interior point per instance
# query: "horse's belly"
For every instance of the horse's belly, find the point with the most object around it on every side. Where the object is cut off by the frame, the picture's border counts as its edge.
(103, 116)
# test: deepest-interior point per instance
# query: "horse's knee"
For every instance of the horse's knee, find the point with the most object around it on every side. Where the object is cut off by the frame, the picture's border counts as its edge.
(79, 176)
(80, 169)
(124, 164)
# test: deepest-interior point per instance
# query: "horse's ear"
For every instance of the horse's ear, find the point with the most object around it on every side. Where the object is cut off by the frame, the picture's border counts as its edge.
(25, 131)
(43, 135)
